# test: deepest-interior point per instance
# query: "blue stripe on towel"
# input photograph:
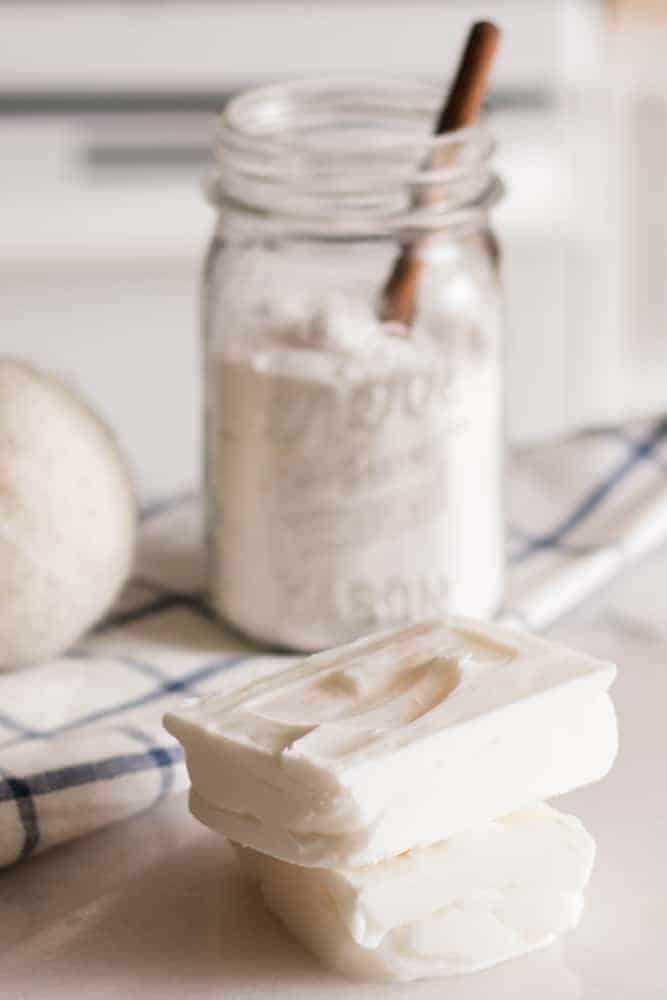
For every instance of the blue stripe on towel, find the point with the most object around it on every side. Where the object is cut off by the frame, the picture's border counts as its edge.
(638, 451)
(26, 732)
(20, 792)
(24, 791)
(182, 685)
(27, 813)
(166, 773)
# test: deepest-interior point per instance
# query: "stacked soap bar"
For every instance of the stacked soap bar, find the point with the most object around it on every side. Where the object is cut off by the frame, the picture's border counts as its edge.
(460, 905)
(440, 740)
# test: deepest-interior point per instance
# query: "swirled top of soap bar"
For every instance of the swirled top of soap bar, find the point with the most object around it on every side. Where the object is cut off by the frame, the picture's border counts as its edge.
(382, 692)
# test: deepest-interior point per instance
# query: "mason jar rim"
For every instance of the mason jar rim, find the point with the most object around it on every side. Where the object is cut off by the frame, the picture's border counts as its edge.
(351, 145)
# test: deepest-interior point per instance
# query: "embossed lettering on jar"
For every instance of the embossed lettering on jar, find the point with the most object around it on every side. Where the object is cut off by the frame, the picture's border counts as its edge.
(354, 466)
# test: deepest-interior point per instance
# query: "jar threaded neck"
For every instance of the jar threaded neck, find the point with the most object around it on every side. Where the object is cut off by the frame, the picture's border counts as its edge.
(352, 153)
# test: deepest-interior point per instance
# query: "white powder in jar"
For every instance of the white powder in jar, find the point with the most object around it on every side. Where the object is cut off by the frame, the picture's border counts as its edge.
(354, 477)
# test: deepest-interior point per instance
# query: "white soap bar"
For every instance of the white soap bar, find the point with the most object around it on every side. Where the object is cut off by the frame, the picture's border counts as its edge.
(464, 904)
(396, 740)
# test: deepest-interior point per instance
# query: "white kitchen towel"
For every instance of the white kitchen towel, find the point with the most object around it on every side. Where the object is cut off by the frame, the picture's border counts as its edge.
(81, 740)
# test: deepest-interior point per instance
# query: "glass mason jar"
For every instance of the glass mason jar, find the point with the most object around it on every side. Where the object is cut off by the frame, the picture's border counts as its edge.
(354, 463)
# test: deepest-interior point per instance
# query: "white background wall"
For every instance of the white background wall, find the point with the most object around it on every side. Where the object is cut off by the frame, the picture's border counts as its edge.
(99, 263)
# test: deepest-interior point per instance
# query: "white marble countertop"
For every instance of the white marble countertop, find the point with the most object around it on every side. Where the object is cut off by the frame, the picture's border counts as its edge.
(154, 908)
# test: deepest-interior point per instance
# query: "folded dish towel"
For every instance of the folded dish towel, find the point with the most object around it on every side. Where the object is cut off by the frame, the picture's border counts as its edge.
(81, 740)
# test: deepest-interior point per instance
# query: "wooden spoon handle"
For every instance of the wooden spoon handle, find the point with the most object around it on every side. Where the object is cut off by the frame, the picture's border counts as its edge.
(461, 108)
(468, 90)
